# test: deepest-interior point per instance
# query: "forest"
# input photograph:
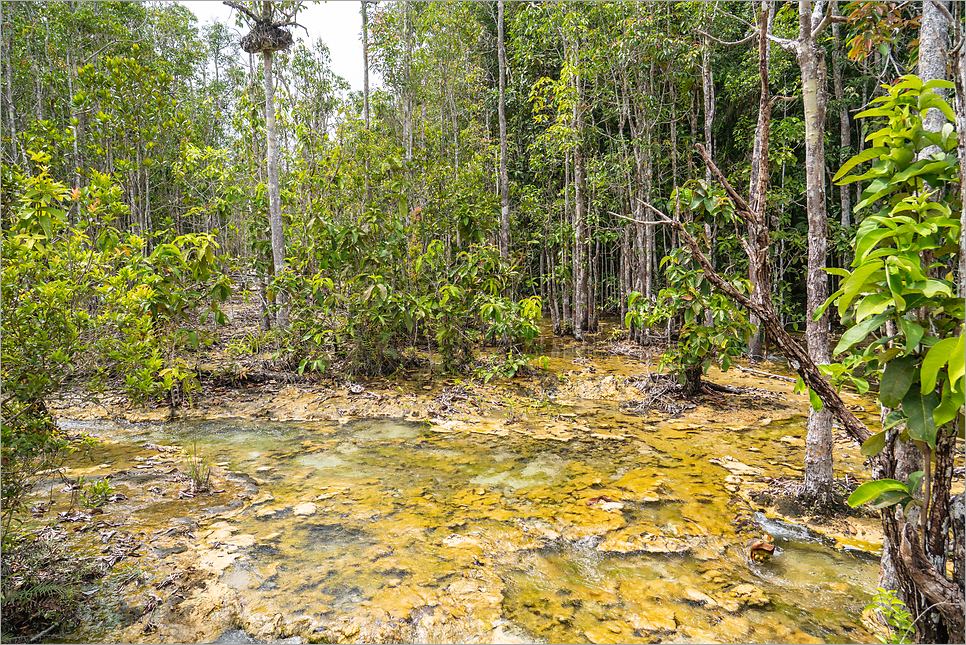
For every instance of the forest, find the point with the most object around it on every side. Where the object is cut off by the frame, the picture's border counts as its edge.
(728, 182)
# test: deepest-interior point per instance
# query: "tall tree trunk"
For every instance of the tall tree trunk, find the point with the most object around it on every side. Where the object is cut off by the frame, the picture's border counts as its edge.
(933, 32)
(566, 257)
(845, 129)
(959, 79)
(274, 194)
(811, 60)
(707, 87)
(707, 91)
(580, 246)
(761, 285)
(504, 176)
(365, 63)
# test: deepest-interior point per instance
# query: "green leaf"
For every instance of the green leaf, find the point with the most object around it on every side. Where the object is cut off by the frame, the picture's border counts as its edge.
(914, 480)
(951, 404)
(894, 280)
(938, 82)
(858, 282)
(889, 498)
(871, 490)
(937, 356)
(858, 333)
(920, 168)
(919, 416)
(193, 339)
(865, 155)
(874, 444)
(893, 419)
(957, 364)
(874, 303)
(815, 400)
(913, 332)
(898, 376)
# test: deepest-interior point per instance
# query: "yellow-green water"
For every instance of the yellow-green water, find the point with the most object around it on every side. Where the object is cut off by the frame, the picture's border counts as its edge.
(404, 516)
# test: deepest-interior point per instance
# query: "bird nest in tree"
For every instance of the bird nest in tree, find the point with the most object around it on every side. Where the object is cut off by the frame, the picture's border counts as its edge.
(266, 38)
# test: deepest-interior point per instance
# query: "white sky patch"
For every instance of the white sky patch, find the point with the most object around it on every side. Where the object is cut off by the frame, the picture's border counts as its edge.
(337, 23)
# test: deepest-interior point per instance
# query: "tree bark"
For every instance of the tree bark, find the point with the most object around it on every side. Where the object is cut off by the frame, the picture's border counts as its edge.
(274, 194)
(707, 92)
(811, 61)
(958, 55)
(758, 188)
(580, 244)
(707, 87)
(365, 63)
(501, 106)
(845, 130)
(933, 32)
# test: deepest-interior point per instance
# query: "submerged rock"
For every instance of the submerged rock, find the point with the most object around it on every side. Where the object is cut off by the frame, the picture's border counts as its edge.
(304, 509)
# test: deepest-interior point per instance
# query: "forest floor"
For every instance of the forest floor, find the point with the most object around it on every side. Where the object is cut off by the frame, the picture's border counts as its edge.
(598, 390)
(241, 378)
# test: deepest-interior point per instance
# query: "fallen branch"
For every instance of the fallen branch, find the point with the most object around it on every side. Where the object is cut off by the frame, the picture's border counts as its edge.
(797, 356)
(750, 370)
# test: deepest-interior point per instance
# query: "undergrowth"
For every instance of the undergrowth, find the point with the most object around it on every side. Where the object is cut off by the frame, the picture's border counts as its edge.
(42, 586)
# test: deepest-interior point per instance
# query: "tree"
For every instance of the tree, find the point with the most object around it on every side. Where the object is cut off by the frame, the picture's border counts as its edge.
(267, 36)
(504, 237)
(811, 61)
(919, 360)
(365, 61)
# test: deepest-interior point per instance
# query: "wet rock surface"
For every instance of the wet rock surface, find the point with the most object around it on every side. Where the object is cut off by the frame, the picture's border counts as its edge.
(519, 512)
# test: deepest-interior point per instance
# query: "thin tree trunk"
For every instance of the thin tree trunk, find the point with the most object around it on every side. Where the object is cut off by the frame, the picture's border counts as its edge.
(365, 63)
(501, 108)
(274, 194)
(932, 61)
(761, 285)
(959, 79)
(845, 129)
(707, 87)
(811, 60)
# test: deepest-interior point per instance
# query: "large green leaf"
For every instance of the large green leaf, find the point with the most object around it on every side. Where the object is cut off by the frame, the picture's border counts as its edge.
(894, 280)
(896, 380)
(874, 444)
(864, 243)
(865, 155)
(815, 400)
(858, 333)
(857, 283)
(921, 168)
(919, 416)
(871, 490)
(957, 364)
(889, 498)
(913, 332)
(874, 303)
(951, 404)
(914, 480)
(937, 356)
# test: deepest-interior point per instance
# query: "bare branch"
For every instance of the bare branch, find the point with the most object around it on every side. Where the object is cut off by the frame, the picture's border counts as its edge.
(784, 43)
(636, 221)
(750, 36)
(796, 355)
(943, 10)
(240, 7)
(739, 201)
(776, 99)
(827, 20)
